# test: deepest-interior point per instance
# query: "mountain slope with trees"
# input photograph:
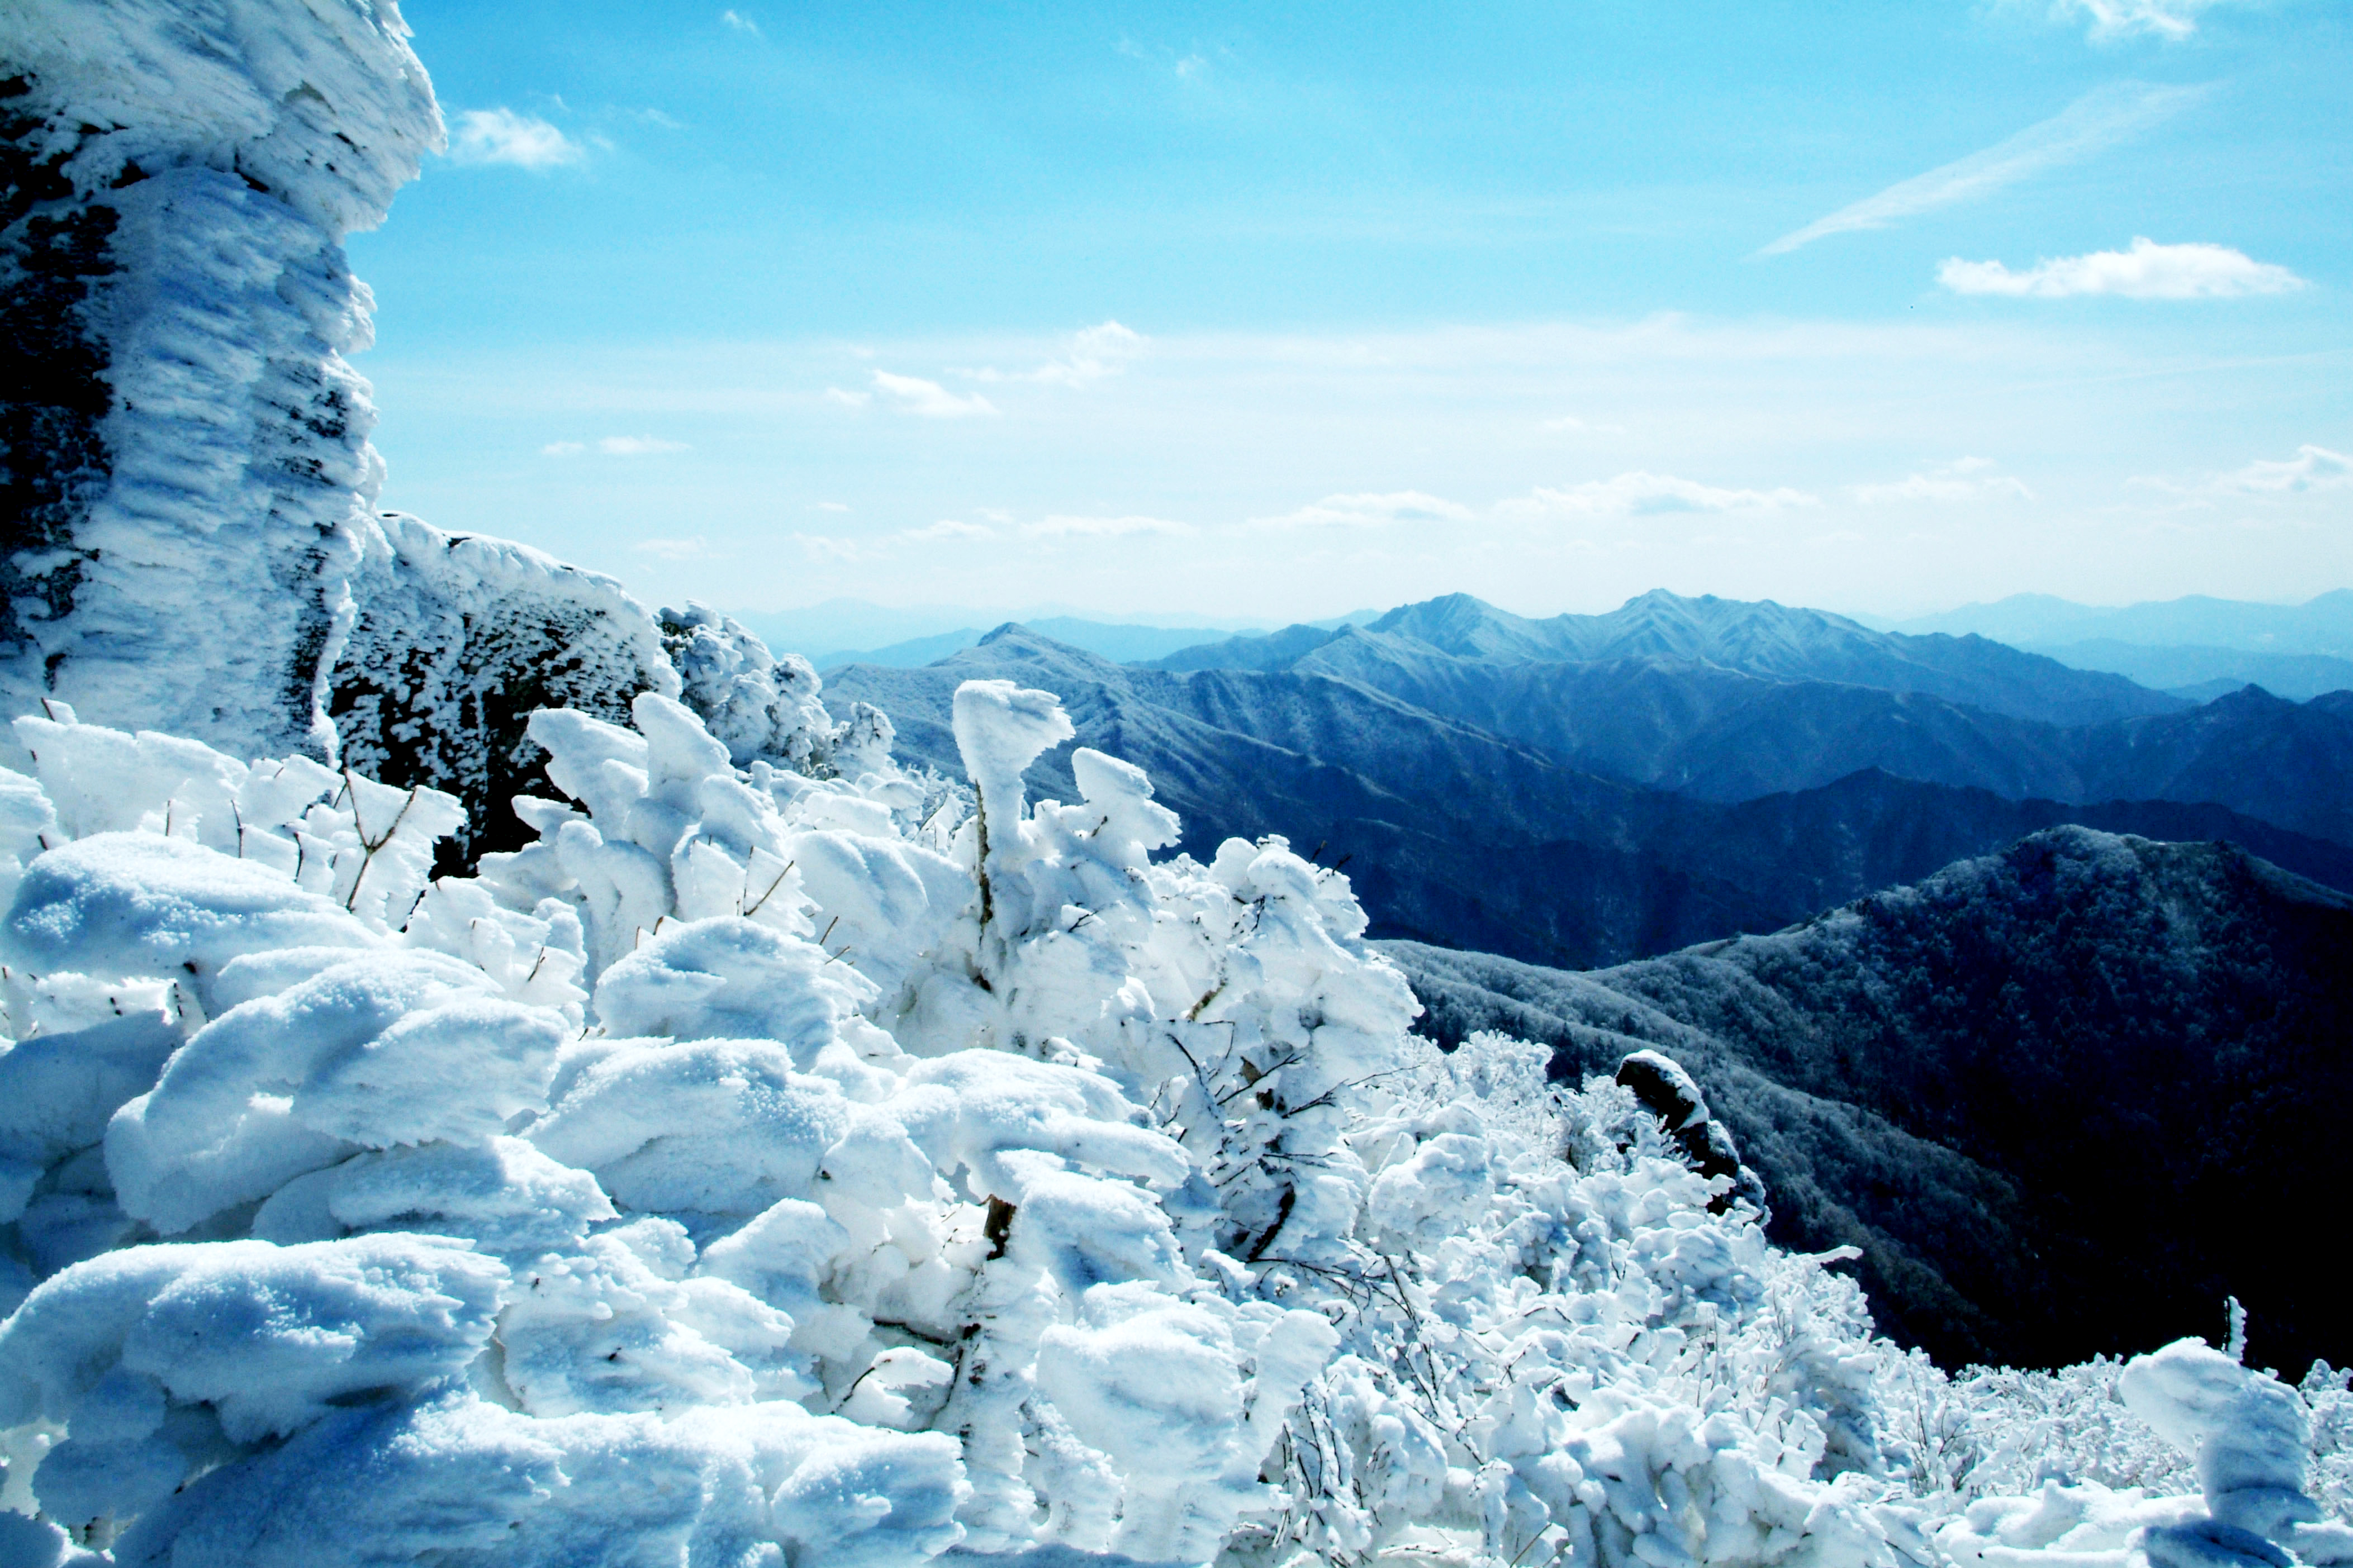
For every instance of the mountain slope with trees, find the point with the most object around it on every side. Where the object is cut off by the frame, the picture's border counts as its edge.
(2065, 1097)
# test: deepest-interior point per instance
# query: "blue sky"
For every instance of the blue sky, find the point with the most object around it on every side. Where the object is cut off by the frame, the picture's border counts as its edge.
(1281, 310)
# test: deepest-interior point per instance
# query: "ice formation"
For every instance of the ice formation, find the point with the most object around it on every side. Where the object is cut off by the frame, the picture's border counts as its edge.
(768, 1168)
(191, 534)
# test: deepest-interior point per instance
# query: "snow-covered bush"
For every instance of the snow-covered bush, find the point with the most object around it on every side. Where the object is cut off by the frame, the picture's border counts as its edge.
(767, 1168)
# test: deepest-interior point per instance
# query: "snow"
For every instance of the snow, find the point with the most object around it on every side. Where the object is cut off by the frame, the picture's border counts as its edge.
(645, 1186)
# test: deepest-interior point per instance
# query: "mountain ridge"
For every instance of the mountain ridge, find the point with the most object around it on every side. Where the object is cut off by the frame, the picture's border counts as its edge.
(1729, 701)
(1762, 639)
(1455, 834)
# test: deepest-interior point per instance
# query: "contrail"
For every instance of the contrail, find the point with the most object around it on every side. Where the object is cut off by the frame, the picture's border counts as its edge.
(2094, 123)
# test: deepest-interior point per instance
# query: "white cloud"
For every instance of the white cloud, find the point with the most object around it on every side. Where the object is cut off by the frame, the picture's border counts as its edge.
(2094, 123)
(1644, 494)
(2148, 271)
(694, 549)
(561, 449)
(638, 446)
(2168, 19)
(2311, 468)
(1094, 353)
(740, 22)
(841, 399)
(503, 136)
(1370, 510)
(947, 528)
(827, 506)
(1100, 527)
(1571, 423)
(929, 398)
(1965, 478)
(656, 117)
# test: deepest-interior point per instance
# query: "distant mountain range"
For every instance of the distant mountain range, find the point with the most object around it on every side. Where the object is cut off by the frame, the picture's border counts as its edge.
(1432, 645)
(1730, 701)
(1400, 760)
(860, 623)
(2064, 1097)
(2197, 647)
(1118, 642)
(2319, 625)
(839, 631)
(2202, 674)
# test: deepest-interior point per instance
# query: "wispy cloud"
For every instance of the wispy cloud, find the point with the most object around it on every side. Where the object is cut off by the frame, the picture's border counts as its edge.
(1570, 422)
(1644, 494)
(1094, 353)
(562, 449)
(694, 549)
(830, 547)
(1100, 527)
(2311, 468)
(1190, 67)
(841, 398)
(2094, 123)
(2147, 271)
(1370, 510)
(638, 446)
(947, 528)
(828, 506)
(740, 22)
(1964, 480)
(2169, 19)
(914, 395)
(503, 136)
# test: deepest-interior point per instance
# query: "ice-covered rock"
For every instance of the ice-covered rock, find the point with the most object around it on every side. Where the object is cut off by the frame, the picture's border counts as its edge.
(455, 641)
(189, 538)
(199, 484)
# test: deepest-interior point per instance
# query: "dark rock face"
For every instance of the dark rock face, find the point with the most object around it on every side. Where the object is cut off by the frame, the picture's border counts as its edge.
(53, 392)
(2063, 1096)
(1667, 1092)
(455, 641)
